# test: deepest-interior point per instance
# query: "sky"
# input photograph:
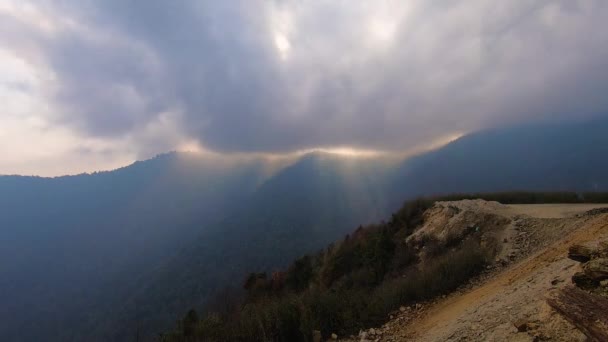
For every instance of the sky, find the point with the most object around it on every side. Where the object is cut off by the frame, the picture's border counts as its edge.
(95, 84)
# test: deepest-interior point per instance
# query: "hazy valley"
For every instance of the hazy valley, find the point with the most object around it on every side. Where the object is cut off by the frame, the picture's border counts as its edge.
(129, 251)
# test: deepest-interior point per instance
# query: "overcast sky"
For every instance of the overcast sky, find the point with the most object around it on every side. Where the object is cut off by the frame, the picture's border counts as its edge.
(96, 84)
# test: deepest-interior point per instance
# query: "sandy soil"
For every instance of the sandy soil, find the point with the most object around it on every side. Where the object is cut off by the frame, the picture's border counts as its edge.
(554, 210)
(489, 309)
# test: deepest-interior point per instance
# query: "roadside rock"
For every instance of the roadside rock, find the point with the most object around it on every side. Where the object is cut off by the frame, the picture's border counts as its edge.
(581, 253)
(523, 325)
(581, 280)
(596, 269)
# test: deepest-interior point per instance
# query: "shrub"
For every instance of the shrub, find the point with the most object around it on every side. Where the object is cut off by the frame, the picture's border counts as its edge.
(438, 276)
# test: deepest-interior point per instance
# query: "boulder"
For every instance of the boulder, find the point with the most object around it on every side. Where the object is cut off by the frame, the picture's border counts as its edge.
(596, 269)
(583, 281)
(521, 325)
(334, 336)
(581, 253)
(586, 311)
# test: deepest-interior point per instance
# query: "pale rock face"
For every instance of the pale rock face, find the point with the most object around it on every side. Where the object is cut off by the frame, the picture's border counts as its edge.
(452, 221)
(448, 219)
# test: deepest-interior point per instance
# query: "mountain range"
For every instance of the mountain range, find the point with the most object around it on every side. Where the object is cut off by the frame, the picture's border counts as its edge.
(120, 255)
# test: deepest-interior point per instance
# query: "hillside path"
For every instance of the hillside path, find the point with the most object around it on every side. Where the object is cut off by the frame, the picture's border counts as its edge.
(490, 311)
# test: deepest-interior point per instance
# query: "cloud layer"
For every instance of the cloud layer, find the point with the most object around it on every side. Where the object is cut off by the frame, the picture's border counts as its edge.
(142, 77)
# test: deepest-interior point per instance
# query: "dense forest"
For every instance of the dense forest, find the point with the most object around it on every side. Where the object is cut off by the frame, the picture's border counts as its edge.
(354, 283)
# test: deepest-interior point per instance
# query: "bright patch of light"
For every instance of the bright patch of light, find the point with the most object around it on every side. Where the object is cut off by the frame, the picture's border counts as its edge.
(382, 29)
(444, 140)
(347, 151)
(191, 145)
(282, 44)
(433, 145)
(282, 28)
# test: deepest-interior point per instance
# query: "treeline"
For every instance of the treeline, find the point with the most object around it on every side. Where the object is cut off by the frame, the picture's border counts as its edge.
(524, 197)
(355, 283)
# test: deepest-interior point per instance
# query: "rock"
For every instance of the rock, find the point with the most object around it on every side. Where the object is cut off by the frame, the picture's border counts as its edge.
(581, 253)
(402, 309)
(418, 306)
(581, 280)
(523, 325)
(596, 269)
(372, 332)
(316, 336)
(556, 281)
(604, 283)
(334, 336)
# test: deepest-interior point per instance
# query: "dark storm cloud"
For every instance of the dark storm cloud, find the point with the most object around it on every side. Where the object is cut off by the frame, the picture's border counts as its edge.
(286, 75)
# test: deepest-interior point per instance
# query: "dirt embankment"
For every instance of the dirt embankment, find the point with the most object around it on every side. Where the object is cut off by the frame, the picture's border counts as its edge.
(508, 302)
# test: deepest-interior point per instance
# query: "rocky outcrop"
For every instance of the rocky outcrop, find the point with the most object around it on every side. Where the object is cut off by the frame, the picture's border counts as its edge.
(595, 265)
(596, 269)
(509, 302)
(581, 280)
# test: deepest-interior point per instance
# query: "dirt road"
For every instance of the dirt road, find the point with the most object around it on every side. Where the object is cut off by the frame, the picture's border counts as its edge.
(514, 295)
